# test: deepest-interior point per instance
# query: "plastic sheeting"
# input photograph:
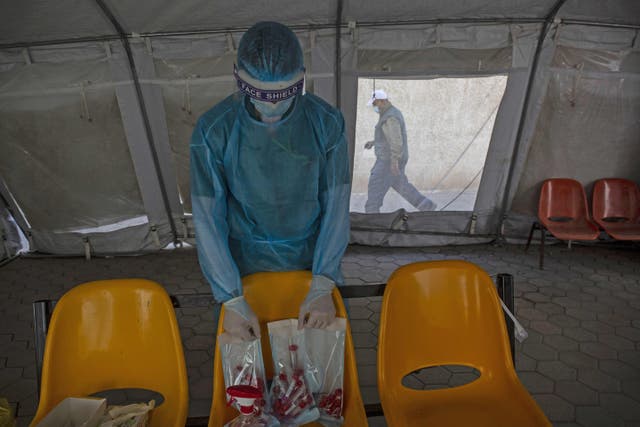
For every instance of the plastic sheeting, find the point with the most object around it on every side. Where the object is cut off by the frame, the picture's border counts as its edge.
(65, 159)
(41, 112)
(419, 229)
(10, 239)
(184, 101)
(618, 11)
(188, 15)
(39, 20)
(588, 129)
(64, 130)
(444, 50)
(406, 10)
(440, 49)
(449, 124)
(589, 121)
(194, 74)
(191, 80)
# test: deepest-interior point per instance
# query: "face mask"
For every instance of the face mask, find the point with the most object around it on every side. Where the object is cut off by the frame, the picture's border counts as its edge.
(376, 109)
(270, 112)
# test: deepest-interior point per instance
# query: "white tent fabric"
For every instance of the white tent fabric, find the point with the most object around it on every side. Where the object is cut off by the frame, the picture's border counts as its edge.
(588, 122)
(42, 21)
(615, 12)
(86, 164)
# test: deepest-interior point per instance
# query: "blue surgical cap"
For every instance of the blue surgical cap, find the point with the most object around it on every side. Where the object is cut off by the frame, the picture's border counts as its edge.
(270, 52)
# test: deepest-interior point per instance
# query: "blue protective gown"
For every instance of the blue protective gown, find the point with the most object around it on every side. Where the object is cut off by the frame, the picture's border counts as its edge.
(269, 197)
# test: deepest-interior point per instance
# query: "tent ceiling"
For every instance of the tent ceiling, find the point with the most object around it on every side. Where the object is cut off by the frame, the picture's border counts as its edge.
(407, 10)
(191, 15)
(42, 20)
(618, 11)
(33, 21)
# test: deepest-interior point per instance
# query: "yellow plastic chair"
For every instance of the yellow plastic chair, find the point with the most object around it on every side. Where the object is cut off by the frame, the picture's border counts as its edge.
(276, 296)
(115, 334)
(448, 313)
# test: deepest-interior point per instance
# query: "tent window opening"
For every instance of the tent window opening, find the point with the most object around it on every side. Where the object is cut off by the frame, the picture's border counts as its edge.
(425, 149)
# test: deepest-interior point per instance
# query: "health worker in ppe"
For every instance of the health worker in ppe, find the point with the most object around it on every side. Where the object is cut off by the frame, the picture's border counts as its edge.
(270, 181)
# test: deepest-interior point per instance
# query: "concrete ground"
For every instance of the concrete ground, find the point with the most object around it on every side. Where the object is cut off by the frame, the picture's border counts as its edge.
(581, 361)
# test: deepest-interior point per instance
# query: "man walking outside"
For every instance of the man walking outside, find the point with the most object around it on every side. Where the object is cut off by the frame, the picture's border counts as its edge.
(392, 154)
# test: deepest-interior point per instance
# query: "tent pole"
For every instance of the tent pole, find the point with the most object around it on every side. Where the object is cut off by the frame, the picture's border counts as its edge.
(143, 111)
(599, 24)
(549, 19)
(338, 65)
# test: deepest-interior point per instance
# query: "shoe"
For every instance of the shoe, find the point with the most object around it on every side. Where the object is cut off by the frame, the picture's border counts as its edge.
(427, 205)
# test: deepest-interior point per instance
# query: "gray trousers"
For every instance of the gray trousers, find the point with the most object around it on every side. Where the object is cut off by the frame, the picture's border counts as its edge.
(381, 180)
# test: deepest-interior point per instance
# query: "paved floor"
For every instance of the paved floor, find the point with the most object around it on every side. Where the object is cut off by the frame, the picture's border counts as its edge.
(581, 361)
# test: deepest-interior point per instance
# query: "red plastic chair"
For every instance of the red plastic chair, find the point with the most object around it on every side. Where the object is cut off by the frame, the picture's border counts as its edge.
(562, 210)
(616, 207)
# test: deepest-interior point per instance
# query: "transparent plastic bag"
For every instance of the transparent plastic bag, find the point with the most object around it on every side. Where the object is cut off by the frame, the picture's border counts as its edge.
(250, 416)
(242, 364)
(250, 421)
(325, 348)
(293, 402)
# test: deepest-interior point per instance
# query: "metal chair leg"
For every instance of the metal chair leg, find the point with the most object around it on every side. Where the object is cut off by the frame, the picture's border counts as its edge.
(533, 228)
(506, 292)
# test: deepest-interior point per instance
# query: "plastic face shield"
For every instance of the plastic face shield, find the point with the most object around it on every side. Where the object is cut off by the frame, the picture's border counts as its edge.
(269, 95)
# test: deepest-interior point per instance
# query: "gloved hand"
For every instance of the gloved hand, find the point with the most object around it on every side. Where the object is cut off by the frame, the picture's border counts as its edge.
(239, 320)
(317, 309)
(368, 145)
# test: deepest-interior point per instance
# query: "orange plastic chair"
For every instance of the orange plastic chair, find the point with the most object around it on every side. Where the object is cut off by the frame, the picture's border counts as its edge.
(562, 210)
(616, 208)
(115, 334)
(275, 296)
(448, 313)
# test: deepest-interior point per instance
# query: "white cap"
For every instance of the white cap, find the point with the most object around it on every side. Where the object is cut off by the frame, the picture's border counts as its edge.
(377, 94)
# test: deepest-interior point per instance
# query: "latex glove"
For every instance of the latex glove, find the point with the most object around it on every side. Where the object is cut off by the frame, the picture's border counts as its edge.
(368, 145)
(317, 309)
(239, 320)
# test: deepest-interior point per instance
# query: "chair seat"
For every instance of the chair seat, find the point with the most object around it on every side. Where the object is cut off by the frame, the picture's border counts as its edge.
(579, 229)
(475, 405)
(622, 230)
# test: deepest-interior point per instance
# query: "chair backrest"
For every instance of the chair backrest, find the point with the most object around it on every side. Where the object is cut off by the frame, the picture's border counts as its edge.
(439, 313)
(276, 296)
(115, 334)
(616, 199)
(562, 199)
